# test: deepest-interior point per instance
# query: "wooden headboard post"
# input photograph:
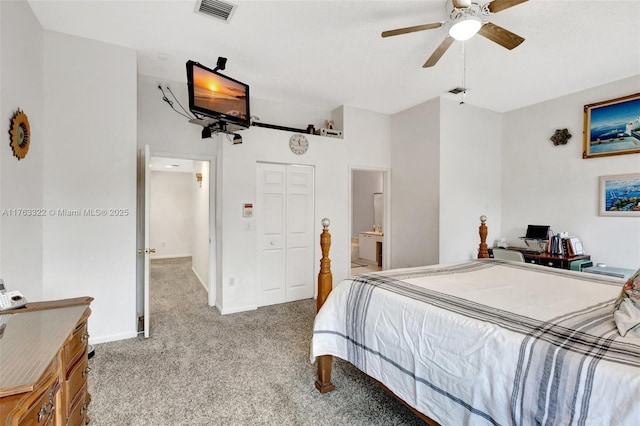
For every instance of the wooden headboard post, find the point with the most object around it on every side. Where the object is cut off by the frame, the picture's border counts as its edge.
(483, 251)
(325, 284)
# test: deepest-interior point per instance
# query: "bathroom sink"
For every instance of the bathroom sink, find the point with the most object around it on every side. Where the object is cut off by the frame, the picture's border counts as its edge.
(379, 234)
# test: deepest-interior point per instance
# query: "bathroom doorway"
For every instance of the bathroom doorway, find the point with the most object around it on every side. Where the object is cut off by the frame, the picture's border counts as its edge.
(368, 220)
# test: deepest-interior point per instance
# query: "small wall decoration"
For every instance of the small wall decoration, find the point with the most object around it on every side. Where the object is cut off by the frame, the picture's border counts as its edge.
(620, 195)
(19, 134)
(560, 137)
(612, 127)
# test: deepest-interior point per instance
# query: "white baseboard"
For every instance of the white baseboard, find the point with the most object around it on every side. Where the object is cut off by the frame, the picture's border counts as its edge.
(236, 310)
(169, 256)
(112, 338)
(206, 288)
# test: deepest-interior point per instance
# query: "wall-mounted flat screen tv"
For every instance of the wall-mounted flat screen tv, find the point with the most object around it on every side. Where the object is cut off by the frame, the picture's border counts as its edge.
(217, 96)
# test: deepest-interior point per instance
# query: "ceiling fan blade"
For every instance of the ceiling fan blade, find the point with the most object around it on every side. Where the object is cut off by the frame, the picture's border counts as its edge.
(437, 54)
(411, 29)
(497, 34)
(498, 5)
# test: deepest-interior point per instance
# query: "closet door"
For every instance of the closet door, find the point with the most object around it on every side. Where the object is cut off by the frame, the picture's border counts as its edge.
(284, 225)
(299, 232)
(270, 228)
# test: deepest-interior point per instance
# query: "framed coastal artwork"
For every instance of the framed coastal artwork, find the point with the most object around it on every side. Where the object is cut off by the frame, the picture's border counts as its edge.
(612, 127)
(620, 195)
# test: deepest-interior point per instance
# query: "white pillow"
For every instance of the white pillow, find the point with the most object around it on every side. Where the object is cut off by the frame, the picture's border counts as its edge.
(627, 313)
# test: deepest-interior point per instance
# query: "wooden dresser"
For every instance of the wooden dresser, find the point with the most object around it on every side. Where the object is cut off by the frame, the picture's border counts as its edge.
(43, 364)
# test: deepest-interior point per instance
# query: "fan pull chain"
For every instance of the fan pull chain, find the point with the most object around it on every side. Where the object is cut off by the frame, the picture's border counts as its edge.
(464, 74)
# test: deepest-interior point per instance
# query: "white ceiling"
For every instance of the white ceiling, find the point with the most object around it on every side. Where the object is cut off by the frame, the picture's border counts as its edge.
(330, 53)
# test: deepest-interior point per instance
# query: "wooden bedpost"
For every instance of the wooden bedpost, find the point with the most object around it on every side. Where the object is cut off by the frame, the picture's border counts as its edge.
(483, 251)
(325, 278)
(325, 283)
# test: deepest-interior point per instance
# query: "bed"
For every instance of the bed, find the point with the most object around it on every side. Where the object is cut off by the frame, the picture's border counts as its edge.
(483, 341)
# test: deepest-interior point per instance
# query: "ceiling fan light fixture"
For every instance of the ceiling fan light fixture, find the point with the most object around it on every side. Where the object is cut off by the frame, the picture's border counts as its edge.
(465, 28)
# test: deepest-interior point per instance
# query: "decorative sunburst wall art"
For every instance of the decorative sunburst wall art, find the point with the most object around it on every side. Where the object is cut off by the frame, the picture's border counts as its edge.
(20, 134)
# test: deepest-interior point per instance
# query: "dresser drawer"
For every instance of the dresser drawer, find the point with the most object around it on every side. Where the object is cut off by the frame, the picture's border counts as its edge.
(76, 345)
(41, 406)
(78, 411)
(77, 381)
(553, 263)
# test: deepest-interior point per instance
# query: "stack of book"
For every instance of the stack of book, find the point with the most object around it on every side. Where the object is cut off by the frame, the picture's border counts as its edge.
(563, 244)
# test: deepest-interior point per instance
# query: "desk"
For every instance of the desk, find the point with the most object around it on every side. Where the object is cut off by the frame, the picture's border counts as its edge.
(547, 259)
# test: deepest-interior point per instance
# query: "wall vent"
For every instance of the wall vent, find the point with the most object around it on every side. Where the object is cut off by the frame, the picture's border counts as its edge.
(217, 9)
(457, 90)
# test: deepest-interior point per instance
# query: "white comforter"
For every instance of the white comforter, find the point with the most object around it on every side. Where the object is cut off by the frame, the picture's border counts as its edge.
(488, 342)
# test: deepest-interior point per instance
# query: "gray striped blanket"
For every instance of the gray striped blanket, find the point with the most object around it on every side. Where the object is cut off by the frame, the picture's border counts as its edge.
(488, 342)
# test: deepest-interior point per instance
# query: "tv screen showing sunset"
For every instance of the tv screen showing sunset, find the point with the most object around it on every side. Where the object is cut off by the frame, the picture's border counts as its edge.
(217, 93)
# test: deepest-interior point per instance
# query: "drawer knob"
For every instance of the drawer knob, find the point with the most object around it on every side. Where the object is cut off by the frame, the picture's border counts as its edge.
(85, 337)
(42, 413)
(52, 396)
(85, 372)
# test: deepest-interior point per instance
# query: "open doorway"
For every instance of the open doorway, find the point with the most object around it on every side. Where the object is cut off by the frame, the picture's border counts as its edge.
(178, 224)
(369, 219)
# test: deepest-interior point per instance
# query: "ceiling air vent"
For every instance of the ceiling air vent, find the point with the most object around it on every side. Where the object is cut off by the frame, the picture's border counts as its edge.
(216, 9)
(457, 90)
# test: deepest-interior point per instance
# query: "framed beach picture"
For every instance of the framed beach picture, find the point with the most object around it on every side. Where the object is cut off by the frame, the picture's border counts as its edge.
(612, 127)
(620, 195)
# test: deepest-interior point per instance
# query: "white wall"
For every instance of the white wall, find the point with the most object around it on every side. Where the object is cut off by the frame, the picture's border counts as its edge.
(470, 177)
(331, 158)
(164, 130)
(552, 185)
(446, 173)
(271, 111)
(171, 214)
(415, 185)
(200, 223)
(3, 39)
(21, 185)
(363, 185)
(90, 163)
(367, 144)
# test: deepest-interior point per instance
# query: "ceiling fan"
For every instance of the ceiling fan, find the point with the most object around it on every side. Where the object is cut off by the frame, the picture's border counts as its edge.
(464, 17)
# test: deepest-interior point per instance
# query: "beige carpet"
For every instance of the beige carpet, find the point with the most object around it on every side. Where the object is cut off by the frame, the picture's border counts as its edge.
(202, 368)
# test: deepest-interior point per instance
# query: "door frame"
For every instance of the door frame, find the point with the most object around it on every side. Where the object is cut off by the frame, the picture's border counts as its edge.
(386, 225)
(213, 240)
(213, 202)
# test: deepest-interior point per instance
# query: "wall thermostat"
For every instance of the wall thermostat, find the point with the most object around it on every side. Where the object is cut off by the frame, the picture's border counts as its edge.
(247, 210)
